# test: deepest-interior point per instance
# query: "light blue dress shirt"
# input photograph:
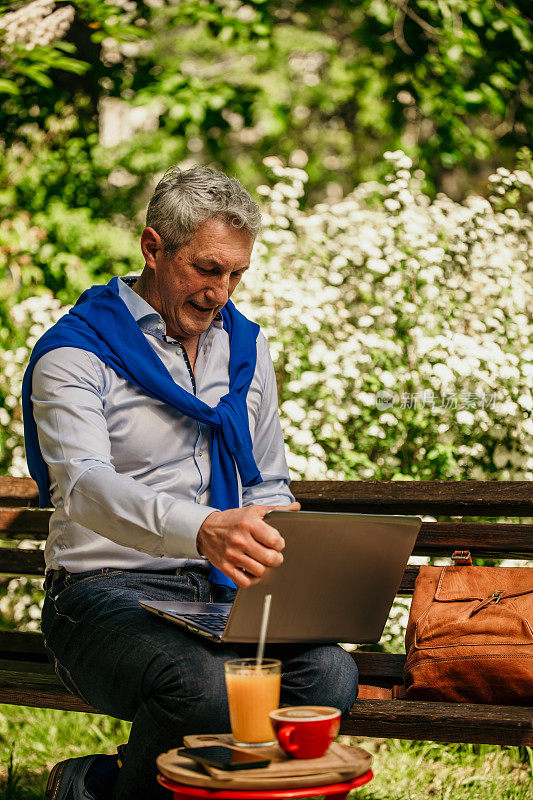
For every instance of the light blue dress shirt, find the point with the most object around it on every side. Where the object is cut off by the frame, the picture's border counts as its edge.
(130, 476)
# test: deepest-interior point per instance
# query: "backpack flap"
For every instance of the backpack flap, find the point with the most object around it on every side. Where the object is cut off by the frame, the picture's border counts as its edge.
(478, 606)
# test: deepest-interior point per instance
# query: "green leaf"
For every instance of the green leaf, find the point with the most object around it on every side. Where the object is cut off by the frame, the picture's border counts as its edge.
(67, 47)
(8, 87)
(121, 31)
(71, 65)
(36, 75)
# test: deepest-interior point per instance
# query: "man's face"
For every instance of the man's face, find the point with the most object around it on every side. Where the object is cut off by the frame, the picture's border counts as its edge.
(197, 281)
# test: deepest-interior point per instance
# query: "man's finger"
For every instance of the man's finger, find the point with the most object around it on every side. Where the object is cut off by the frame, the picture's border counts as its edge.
(251, 565)
(265, 556)
(292, 507)
(267, 535)
(242, 578)
(296, 506)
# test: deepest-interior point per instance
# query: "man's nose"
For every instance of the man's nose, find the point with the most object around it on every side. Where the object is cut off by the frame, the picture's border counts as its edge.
(218, 290)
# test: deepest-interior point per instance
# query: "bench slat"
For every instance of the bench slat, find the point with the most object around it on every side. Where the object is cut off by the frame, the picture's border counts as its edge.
(28, 646)
(387, 668)
(483, 539)
(22, 645)
(474, 498)
(18, 491)
(39, 694)
(24, 523)
(30, 563)
(27, 672)
(21, 562)
(400, 719)
(441, 722)
(449, 498)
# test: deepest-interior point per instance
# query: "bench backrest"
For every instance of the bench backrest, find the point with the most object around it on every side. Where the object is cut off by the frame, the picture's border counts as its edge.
(20, 519)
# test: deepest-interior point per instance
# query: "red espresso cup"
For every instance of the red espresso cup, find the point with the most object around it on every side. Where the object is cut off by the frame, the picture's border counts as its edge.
(305, 731)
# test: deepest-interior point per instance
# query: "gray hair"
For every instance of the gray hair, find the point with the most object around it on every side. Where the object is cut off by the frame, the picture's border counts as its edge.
(183, 199)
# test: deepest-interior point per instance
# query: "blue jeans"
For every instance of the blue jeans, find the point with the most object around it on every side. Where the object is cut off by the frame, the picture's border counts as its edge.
(132, 665)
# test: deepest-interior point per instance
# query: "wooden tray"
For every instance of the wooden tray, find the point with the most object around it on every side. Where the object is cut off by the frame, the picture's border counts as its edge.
(340, 763)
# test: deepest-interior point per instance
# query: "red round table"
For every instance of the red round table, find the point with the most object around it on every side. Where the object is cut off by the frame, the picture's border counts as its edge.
(336, 791)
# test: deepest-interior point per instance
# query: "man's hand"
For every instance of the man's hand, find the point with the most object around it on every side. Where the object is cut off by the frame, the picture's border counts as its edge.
(241, 544)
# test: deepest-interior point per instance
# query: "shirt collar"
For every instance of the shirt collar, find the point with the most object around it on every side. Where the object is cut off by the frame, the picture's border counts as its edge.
(148, 318)
(140, 310)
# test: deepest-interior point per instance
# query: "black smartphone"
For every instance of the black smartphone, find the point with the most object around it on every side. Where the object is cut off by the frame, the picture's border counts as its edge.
(223, 757)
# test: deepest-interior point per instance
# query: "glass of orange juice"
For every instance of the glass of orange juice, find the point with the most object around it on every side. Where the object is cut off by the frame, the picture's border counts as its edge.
(253, 691)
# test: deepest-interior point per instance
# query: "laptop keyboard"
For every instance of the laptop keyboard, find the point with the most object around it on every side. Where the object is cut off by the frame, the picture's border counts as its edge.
(214, 622)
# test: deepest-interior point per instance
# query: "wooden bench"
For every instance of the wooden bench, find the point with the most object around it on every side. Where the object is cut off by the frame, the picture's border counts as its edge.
(26, 678)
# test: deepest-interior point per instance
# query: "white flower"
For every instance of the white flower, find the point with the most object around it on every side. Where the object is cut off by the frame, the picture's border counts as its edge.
(375, 430)
(387, 379)
(296, 464)
(526, 401)
(388, 419)
(391, 204)
(302, 438)
(293, 411)
(366, 399)
(465, 418)
(378, 265)
(444, 374)
(509, 372)
(500, 457)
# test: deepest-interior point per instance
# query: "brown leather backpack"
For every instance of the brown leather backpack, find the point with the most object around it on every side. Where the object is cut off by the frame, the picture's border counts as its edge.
(470, 635)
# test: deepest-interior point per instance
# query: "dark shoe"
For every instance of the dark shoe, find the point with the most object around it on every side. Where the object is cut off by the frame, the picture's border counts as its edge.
(84, 778)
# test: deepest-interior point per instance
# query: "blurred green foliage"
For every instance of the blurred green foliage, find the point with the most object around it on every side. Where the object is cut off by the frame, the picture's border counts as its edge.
(98, 98)
(90, 112)
(448, 81)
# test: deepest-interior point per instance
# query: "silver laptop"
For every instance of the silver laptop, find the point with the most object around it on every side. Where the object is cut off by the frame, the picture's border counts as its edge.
(337, 583)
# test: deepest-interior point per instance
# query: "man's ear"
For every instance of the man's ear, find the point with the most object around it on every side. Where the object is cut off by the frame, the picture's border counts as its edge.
(151, 244)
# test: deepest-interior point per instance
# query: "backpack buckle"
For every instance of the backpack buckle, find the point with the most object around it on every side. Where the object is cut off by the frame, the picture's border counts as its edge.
(462, 558)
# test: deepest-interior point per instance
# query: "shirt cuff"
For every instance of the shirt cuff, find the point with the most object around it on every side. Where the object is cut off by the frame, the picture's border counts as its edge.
(181, 526)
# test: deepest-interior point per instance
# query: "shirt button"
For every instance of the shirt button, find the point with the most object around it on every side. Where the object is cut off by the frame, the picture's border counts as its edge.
(200, 452)
(160, 326)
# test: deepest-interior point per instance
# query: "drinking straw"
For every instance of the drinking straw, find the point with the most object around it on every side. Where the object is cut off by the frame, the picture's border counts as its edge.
(263, 630)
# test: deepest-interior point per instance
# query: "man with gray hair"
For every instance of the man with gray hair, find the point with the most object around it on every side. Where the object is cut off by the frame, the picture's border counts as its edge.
(152, 427)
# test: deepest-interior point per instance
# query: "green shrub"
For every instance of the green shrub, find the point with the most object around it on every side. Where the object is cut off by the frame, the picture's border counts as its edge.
(400, 327)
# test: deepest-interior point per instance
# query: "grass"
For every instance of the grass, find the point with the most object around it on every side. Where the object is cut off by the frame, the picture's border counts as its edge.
(419, 770)
(32, 740)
